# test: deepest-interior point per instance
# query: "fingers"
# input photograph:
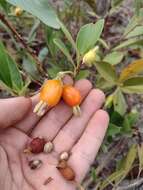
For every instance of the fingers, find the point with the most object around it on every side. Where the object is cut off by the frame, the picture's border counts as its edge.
(13, 110)
(52, 122)
(74, 128)
(32, 119)
(84, 152)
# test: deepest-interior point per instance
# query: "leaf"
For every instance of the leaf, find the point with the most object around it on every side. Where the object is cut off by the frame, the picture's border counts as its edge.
(133, 85)
(93, 174)
(63, 48)
(3, 3)
(136, 20)
(39, 8)
(67, 34)
(119, 102)
(52, 72)
(88, 35)
(103, 43)
(116, 118)
(104, 84)
(133, 116)
(140, 156)
(9, 73)
(83, 74)
(130, 158)
(32, 33)
(112, 178)
(43, 53)
(138, 4)
(136, 32)
(30, 67)
(136, 67)
(113, 130)
(126, 128)
(106, 71)
(129, 42)
(115, 3)
(114, 58)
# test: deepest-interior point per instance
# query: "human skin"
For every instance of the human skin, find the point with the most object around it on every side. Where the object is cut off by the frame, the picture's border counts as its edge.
(81, 136)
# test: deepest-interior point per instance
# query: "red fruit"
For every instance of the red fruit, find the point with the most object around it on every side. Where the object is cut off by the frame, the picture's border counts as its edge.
(37, 145)
(71, 95)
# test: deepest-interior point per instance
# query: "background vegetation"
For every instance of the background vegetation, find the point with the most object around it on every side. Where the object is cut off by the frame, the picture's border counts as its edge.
(35, 44)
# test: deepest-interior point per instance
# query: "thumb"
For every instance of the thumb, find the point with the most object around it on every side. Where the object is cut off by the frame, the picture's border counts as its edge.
(13, 110)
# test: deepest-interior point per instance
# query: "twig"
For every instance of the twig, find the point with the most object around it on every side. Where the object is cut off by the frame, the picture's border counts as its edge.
(21, 40)
(135, 183)
(107, 160)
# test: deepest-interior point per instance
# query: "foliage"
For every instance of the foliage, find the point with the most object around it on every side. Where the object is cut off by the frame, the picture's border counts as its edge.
(59, 42)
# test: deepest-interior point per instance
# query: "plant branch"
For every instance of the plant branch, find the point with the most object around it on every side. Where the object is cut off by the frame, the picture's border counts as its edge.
(111, 154)
(132, 184)
(21, 40)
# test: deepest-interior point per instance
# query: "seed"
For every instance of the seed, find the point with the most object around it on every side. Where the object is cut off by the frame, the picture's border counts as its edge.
(66, 171)
(35, 164)
(48, 147)
(64, 156)
(48, 180)
(36, 145)
(62, 164)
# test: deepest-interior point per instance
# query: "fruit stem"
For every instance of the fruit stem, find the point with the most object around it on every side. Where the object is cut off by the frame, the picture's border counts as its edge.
(60, 75)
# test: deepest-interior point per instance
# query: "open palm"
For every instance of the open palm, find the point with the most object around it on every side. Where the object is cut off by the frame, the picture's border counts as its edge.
(82, 136)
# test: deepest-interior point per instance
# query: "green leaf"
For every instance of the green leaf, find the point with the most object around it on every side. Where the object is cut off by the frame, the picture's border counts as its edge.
(115, 3)
(119, 102)
(133, 85)
(43, 53)
(136, 20)
(9, 73)
(130, 158)
(88, 35)
(39, 8)
(3, 4)
(113, 130)
(104, 84)
(93, 174)
(133, 116)
(83, 74)
(67, 34)
(116, 118)
(130, 42)
(126, 128)
(112, 178)
(32, 34)
(52, 72)
(137, 4)
(31, 69)
(107, 71)
(136, 32)
(114, 58)
(63, 48)
(103, 43)
(140, 156)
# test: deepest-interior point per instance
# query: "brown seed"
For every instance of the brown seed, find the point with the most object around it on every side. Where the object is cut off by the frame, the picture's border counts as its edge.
(48, 147)
(48, 180)
(35, 164)
(66, 171)
(62, 164)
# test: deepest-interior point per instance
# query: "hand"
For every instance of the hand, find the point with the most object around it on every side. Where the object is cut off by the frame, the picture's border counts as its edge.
(82, 136)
